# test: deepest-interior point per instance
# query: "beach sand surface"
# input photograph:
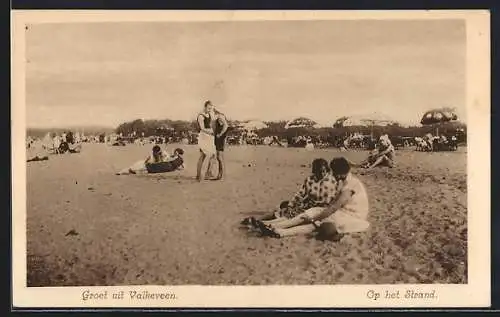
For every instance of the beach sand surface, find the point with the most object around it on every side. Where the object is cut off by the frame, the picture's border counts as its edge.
(87, 226)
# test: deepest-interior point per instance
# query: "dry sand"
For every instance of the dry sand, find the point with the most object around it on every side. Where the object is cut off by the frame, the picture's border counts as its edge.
(168, 229)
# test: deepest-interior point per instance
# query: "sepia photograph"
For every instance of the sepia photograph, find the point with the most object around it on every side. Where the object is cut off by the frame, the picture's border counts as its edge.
(237, 152)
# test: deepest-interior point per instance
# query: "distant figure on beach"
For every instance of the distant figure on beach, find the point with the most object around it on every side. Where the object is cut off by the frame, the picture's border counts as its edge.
(38, 158)
(56, 143)
(275, 140)
(383, 155)
(347, 213)
(206, 140)
(309, 144)
(37, 152)
(220, 131)
(176, 162)
(66, 147)
(318, 190)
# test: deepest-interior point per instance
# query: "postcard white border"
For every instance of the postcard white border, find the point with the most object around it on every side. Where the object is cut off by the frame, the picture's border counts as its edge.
(474, 294)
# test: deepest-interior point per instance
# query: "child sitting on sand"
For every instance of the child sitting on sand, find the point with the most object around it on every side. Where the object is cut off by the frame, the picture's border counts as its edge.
(347, 213)
(317, 190)
(157, 156)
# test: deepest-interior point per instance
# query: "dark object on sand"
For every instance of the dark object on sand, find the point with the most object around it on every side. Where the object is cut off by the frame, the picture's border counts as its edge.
(63, 148)
(284, 204)
(328, 232)
(449, 145)
(72, 232)
(38, 158)
(164, 167)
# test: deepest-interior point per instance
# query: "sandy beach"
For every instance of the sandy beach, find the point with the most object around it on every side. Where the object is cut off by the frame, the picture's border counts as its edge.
(86, 226)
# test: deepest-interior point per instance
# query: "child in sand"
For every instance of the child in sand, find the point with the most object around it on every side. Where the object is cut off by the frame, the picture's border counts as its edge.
(347, 213)
(318, 189)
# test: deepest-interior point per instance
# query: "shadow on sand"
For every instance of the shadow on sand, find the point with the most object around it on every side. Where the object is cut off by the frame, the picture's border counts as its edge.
(166, 176)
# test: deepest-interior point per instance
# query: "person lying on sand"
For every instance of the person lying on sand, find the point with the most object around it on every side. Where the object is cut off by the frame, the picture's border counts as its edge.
(38, 158)
(347, 213)
(173, 163)
(382, 156)
(157, 156)
(37, 152)
(317, 190)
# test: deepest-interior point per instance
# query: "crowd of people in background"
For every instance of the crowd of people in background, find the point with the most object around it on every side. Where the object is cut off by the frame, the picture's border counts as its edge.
(214, 133)
(69, 142)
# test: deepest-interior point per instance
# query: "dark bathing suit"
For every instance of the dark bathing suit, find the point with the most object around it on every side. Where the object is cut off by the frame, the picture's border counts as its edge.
(206, 121)
(163, 167)
(219, 142)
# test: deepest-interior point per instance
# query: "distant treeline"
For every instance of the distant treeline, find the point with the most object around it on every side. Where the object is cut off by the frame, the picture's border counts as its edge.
(277, 128)
(89, 130)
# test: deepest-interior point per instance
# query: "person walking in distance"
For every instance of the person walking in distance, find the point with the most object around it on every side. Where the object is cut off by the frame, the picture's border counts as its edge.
(221, 128)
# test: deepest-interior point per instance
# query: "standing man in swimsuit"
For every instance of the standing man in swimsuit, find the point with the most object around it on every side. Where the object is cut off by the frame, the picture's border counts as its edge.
(220, 131)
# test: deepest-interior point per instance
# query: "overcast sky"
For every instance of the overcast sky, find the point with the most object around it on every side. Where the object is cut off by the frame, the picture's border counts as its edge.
(107, 73)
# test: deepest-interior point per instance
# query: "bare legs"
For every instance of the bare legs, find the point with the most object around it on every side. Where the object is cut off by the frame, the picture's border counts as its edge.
(138, 166)
(297, 230)
(222, 166)
(220, 160)
(295, 226)
(380, 160)
(199, 166)
(211, 162)
(283, 223)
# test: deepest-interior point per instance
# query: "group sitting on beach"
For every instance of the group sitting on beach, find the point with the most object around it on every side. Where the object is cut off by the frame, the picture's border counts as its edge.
(332, 202)
(159, 161)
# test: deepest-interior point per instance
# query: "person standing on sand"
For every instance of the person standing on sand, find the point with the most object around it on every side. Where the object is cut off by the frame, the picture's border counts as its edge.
(206, 141)
(221, 127)
(348, 213)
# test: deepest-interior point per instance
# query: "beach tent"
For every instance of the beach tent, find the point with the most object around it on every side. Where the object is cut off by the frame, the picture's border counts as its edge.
(365, 120)
(253, 125)
(301, 122)
(437, 117)
(370, 119)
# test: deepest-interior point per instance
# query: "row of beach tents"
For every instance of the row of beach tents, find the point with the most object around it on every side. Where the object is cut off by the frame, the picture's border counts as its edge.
(434, 117)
